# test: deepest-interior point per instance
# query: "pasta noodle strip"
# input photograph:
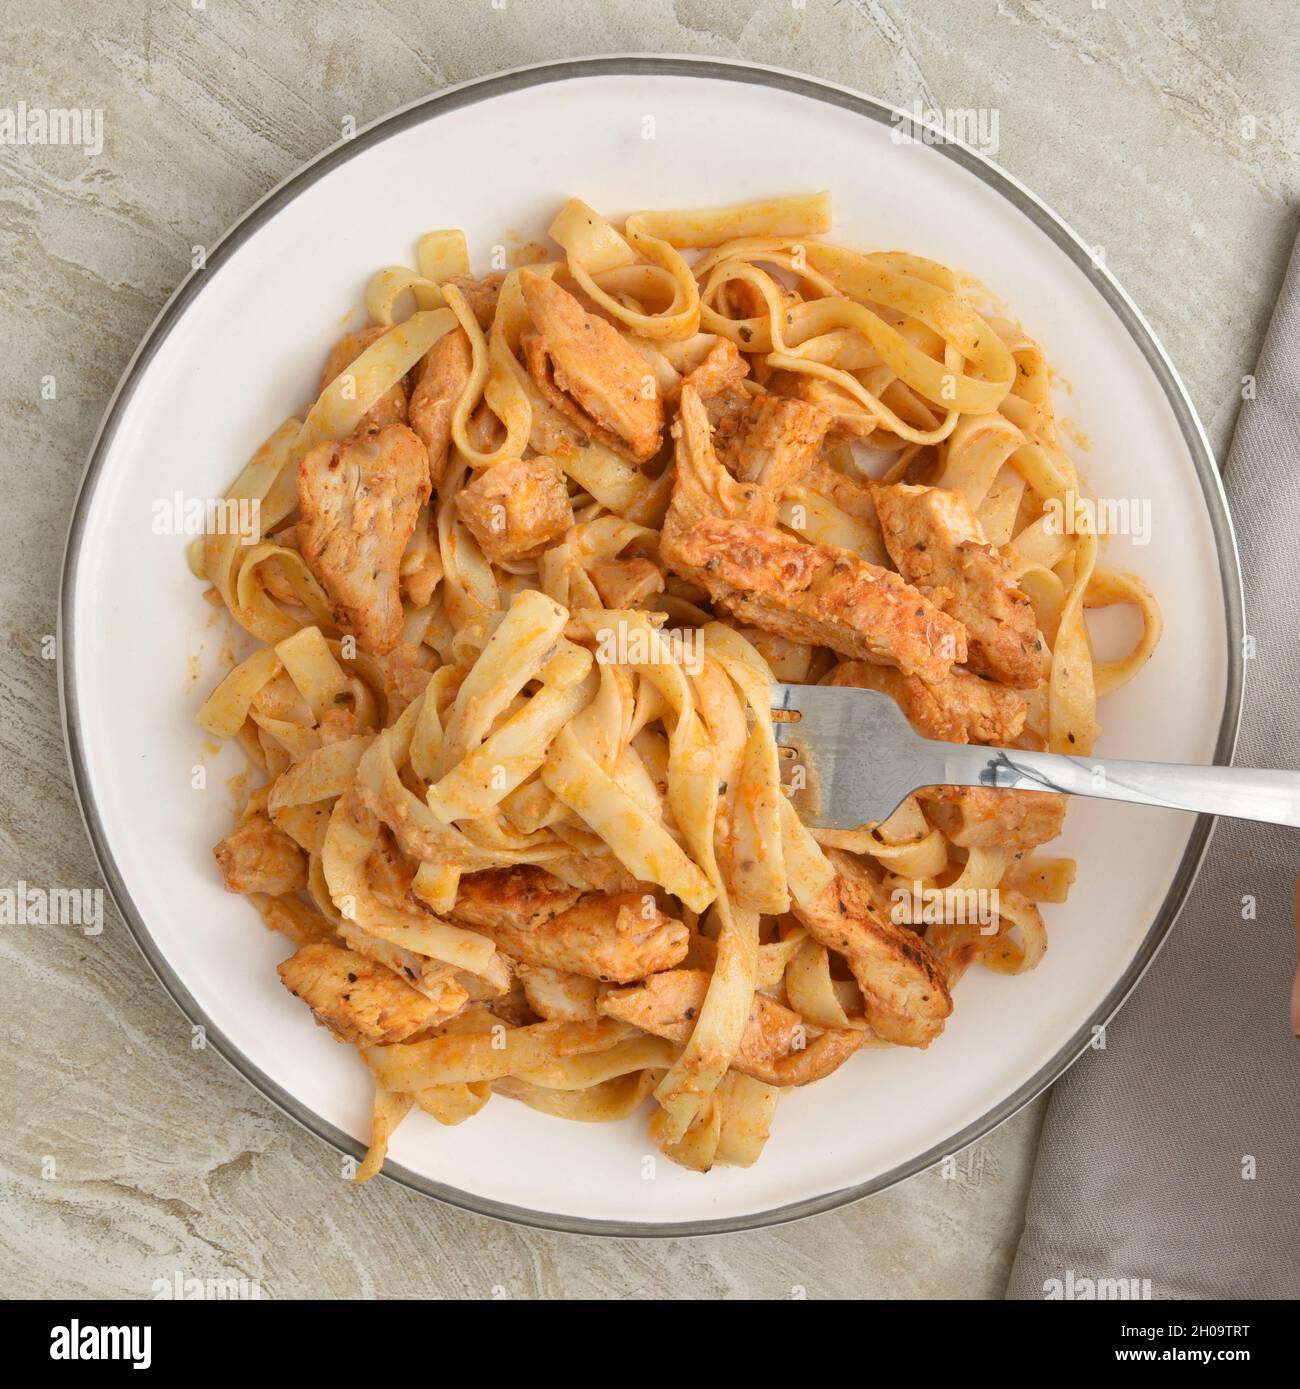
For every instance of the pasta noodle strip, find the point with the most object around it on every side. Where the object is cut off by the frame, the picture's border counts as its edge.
(226, 555)
(1071, 688)
(699, 1070)
(344, 403)
(804, 215)
(509, 755)
(588, 239)
(595, 1068)
(602, 1102)
(1106, 588)
(311, 666)
(322, 775)
(417, 830)
(888, 282)
(352, 836)
(389, 284)
(639, 843)
(514, 654)
(442, 254)
(811, 990)
(495, 378)
(466, 1059)
(977, 449)
(758, 860)
(471, 597)
(226, 708)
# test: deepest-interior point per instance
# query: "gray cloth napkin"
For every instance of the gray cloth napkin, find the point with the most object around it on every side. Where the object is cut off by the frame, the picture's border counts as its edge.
(1174, 1154)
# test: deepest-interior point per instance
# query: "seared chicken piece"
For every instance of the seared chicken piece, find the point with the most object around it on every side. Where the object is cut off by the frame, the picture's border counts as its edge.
(407, 673)
(903, 987)
(390, 873)
(593, 872)
(292, 917)
(360, 499)
(668, 1005)
(958, 708)
(933, 536)
(719, 379)
(790, 661)
(559, 997)
(849, 418)
(703, 490)
(444, 372)
(850, 494)
(514, 509)
(816, 1061)
(432, 978)
(715, 534)
(584, 367)
(625, 583)
(604, 935)
(390, 408)
(258, 857)
(980, 817)
(719, 382)
(480, 295)
(551, 432)
(781, 442)
(358, 1000)
(524, 897)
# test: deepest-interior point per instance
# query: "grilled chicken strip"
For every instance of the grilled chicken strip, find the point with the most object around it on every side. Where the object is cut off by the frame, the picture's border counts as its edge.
(584, 367)
(292, 917)
(625, 583)
(360, 499)
(605, 936)
(781, 443)
(849, 418)
(432, 978)
(444, 372)
(979, 817)
(390, 408)
(588, 873)
(558, 997)
(514, 508)
(358, 1000)
(259, 857)
(669, 1003)
(934, 537)
(719, 382)
(959, 708)
(902, 983)
(523, 897)
(716, 533)
(703, 490)
(850, 494)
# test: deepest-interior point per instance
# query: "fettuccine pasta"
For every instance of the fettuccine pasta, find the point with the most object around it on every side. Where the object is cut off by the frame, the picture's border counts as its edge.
(524, 574)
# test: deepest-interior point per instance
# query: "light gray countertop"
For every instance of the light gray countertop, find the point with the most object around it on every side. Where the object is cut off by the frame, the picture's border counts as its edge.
(1165, 132)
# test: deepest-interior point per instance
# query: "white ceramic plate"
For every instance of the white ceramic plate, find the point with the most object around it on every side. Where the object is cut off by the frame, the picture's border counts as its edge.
(240, 345)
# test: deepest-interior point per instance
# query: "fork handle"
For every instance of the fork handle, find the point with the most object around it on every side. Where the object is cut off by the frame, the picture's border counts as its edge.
(1241, 793)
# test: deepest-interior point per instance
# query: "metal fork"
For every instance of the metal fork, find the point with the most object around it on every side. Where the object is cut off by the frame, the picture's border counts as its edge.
(860, 758)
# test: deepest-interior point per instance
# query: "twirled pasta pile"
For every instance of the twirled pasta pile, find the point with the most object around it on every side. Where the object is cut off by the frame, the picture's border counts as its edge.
(525, 571)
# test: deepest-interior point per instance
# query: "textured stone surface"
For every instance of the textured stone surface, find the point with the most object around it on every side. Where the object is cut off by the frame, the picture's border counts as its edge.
(1165, 132)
